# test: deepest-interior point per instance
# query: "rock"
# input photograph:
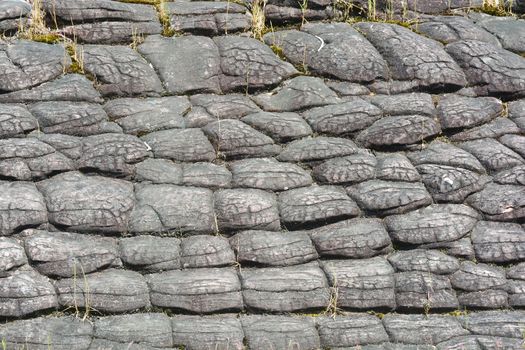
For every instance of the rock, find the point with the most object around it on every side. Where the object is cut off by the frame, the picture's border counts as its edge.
(315, 205)
(269, 248)
(112, 153)
(279, 126)
(515, 142)
(282, 14)
(142, 329)
(351, 330)
(476, 342)
(88, 203)
(317, 148)
(485, 299)
(462, 248)
(66, 254)
(197, 332)
(413, 57)
(285, 289)
(238, 209)
(516, 112)
(278, 332)
(185, 145)
(12, 254)
(498, 242)
(70, 87)
(342, 118)
(120, 71)
(500, 202)
(111, 32)
(24, 64)
(496, 128)
(435, 223)
(347, 170)
(424, 290)
(205, 290)
(449, 29)
(207, 108)
(385, 197)
(422, 329)
(354, 238)
(24, 291)
(13, 13)
(206, 251)
(405, 104)
(111, 290)
(158, 171)
(165, 208)
(66, 333)
(15, 120)
(396, 167)
(507, 30)
(343, 88)
(362, 283)
(234, 139)
(208, 18)
(517, 271)
(206, 175)
(150, 253)
(495, 323)
(473, 277)
(21, 206)
(463, 112)
(334, 49)
(492, 154)
(70, 146)
(145, 115)
(499, 73)
(398, 131)
(516, 296)
(432, 261)
(296, 94)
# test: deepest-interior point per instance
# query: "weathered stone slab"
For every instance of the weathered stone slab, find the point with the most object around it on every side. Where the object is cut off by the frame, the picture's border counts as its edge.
(456, 111)
(424, 291)
(500, 202)
(279, 126)
(496, 323)
(197, 332)
(473, 277)
(405, 104)
(492, 154)
(422, 260)
(111, 32)
(206, 175)
(207, 108)
(448, 29)
(158, 171)
(507, 30)
(346, 170)
(462, 248)
(351, 330)
(206, 251)
(185, 145)
(12, 255)
(484, 299)
(21, 206)
(15, 120)
(317, 148)
(396, 167)
(498, 242)
(150, 253)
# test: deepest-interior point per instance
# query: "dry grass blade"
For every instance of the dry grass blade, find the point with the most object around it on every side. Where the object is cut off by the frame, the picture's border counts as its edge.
(258, 18)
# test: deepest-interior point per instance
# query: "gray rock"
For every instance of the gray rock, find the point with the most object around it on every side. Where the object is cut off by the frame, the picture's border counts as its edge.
(421, 260)
(462, 248)
(396, 167)
(496, 128)
(70, 146)
(259, 68)
(143, 329)
(478, 342)
(496, 323)
(21, 206)
(334, 49)
(489, 69)
(448, 29)
(206, 251)
(516, 112)
(279, 126)
(515, 142)
(314, 205)
(111, 32)
(343, 118)
(185, 145)
(413, 57)
(421, 329)
(317, 148)
(473, 277)
(398, 131)
(208, 108)
(405, 104)
(362, 283)
(24, 291)
(517, 271)
(88, 203)
(112, 153)
(246, 209)
(24, 64)
(208, 18)
(346, 170)
(297, 94)
(65, 254)
(354, 238)
(285, 289)
(197, 332)
(184, 64)
(158, 171)
(280, 332)
(269, 248)
(500, 202)
(435, 223)
(507, 30)
(120, 71)
(12, 14)
(233, 138)
(150, 253)
(463, 112)
(206, 175)
(498, 242)
(441, 153)
(343, 88)
(139, 116)
(424, 290)
(485, 299)
(70, 87)
(111, 291)
(165, 208)
(385, 197)
(12, 254)
(350, 330)
(65, 333)
(205, 290)
(282, 14)
(15, 120)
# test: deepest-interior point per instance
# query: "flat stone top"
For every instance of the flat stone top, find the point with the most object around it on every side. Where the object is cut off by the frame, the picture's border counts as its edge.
(262, 175)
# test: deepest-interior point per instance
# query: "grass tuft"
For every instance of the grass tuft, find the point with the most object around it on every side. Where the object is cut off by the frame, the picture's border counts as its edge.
(258, 19)
(164, 18)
